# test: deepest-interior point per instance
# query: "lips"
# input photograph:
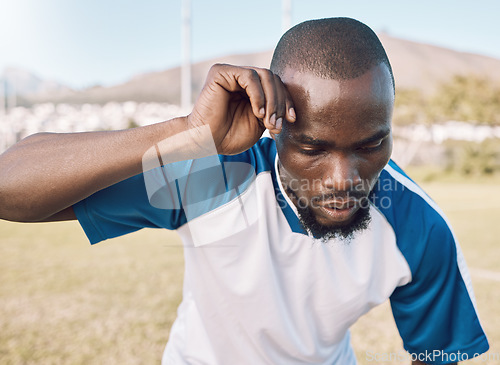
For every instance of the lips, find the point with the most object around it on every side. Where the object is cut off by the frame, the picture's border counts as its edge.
(339, 211)
(339, 204)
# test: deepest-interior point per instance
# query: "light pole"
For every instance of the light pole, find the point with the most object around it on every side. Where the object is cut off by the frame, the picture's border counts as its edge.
(186, 56)
(286, 15)
(3, 95)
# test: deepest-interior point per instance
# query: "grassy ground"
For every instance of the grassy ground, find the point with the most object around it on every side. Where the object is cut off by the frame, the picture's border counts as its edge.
(473, 209)
(65, 302)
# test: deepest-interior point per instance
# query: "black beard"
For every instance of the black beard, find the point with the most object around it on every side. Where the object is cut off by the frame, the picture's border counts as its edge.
(360, 222)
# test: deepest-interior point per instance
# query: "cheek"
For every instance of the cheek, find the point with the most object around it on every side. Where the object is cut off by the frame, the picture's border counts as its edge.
(371, 167)
(385, 155)
(289, 158)
(298, 174)
(296, 166)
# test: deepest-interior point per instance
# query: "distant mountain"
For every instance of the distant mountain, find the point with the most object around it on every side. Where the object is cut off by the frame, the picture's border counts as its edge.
(162, 86)
(24, 83)
(423, 66)
(415, 65)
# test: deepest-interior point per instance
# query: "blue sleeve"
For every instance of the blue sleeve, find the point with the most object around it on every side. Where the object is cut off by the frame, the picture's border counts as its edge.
(164, 197)
(434, 313)
(124, 208)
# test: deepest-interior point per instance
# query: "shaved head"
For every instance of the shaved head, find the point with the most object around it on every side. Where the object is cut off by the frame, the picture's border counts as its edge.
(332, 48)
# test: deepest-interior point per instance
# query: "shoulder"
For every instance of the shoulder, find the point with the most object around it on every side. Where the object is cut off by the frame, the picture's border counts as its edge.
(436, 309)
(421, 228)
(260, 156)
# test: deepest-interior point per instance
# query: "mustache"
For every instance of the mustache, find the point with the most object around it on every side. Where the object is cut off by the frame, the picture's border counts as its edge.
(340, 196)
(343, 195)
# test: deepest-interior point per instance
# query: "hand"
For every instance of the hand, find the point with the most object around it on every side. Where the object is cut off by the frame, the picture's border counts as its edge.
(239, 103)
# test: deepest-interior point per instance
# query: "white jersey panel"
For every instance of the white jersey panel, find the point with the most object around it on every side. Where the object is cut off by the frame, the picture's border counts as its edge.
(268, 295)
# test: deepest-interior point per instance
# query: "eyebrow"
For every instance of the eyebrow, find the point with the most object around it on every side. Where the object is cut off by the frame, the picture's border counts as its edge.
(381, 134)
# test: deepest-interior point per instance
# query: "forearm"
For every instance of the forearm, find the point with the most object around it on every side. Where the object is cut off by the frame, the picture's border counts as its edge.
(46, 173)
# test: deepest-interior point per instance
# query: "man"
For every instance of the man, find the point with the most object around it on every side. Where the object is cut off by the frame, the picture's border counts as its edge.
(288, 238)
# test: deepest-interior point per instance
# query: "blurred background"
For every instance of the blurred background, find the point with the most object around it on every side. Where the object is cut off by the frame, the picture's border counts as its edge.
(74, 66)
(68, 66)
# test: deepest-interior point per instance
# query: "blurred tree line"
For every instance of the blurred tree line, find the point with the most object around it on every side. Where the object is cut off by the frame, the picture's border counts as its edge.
(464, 98)
(472, 158)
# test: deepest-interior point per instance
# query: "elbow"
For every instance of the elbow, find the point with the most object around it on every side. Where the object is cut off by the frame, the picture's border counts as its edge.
(7, 211)
(11, 207)
(16, 202)
(20, 216)
(14, 212)
(18, 205)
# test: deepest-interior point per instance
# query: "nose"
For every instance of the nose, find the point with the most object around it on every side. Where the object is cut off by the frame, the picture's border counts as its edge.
(341, 172)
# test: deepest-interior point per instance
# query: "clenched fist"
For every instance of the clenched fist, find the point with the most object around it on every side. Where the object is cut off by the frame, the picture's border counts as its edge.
(239, 103)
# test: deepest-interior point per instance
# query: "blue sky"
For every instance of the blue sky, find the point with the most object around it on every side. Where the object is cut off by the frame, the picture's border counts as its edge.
(83, 43)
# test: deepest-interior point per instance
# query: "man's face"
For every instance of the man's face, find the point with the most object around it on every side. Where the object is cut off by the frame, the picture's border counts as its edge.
(331, 157)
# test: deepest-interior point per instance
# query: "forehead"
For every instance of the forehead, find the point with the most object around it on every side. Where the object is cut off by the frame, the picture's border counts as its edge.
(375, 85)
(359, 104)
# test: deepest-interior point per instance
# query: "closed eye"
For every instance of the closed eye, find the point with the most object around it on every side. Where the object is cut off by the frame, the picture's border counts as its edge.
(311, 151)
(372, 146)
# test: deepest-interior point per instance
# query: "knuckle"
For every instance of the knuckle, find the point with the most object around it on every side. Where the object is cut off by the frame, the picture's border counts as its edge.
(262, 73)
(217, 68)
(252, 74)
(277, 78)
(266, 74)
(219, 65)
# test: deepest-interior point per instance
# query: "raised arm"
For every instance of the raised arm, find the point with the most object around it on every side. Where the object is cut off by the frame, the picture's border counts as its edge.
(42, 176)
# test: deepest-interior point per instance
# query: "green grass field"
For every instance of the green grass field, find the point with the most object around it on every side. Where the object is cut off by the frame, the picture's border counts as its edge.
(473, 208)
(63, 301)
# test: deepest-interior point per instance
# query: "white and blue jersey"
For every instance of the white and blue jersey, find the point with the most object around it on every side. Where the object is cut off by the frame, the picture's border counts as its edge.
(258, 289)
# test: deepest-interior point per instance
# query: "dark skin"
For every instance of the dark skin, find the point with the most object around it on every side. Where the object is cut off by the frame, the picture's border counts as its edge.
(337, 139)
(340, 142)
(42, 176)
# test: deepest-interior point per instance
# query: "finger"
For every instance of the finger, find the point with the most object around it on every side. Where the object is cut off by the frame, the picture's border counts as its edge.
(278, 101)
(269, 85)
(281, 95)
(251, 83)
(290, 108)
(247, 80)
(286, 107)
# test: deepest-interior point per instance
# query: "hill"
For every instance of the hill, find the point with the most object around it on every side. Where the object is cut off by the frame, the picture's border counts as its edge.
(415, 65)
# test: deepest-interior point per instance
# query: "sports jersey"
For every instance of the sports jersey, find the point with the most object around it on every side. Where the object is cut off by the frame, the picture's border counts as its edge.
(259, 289)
